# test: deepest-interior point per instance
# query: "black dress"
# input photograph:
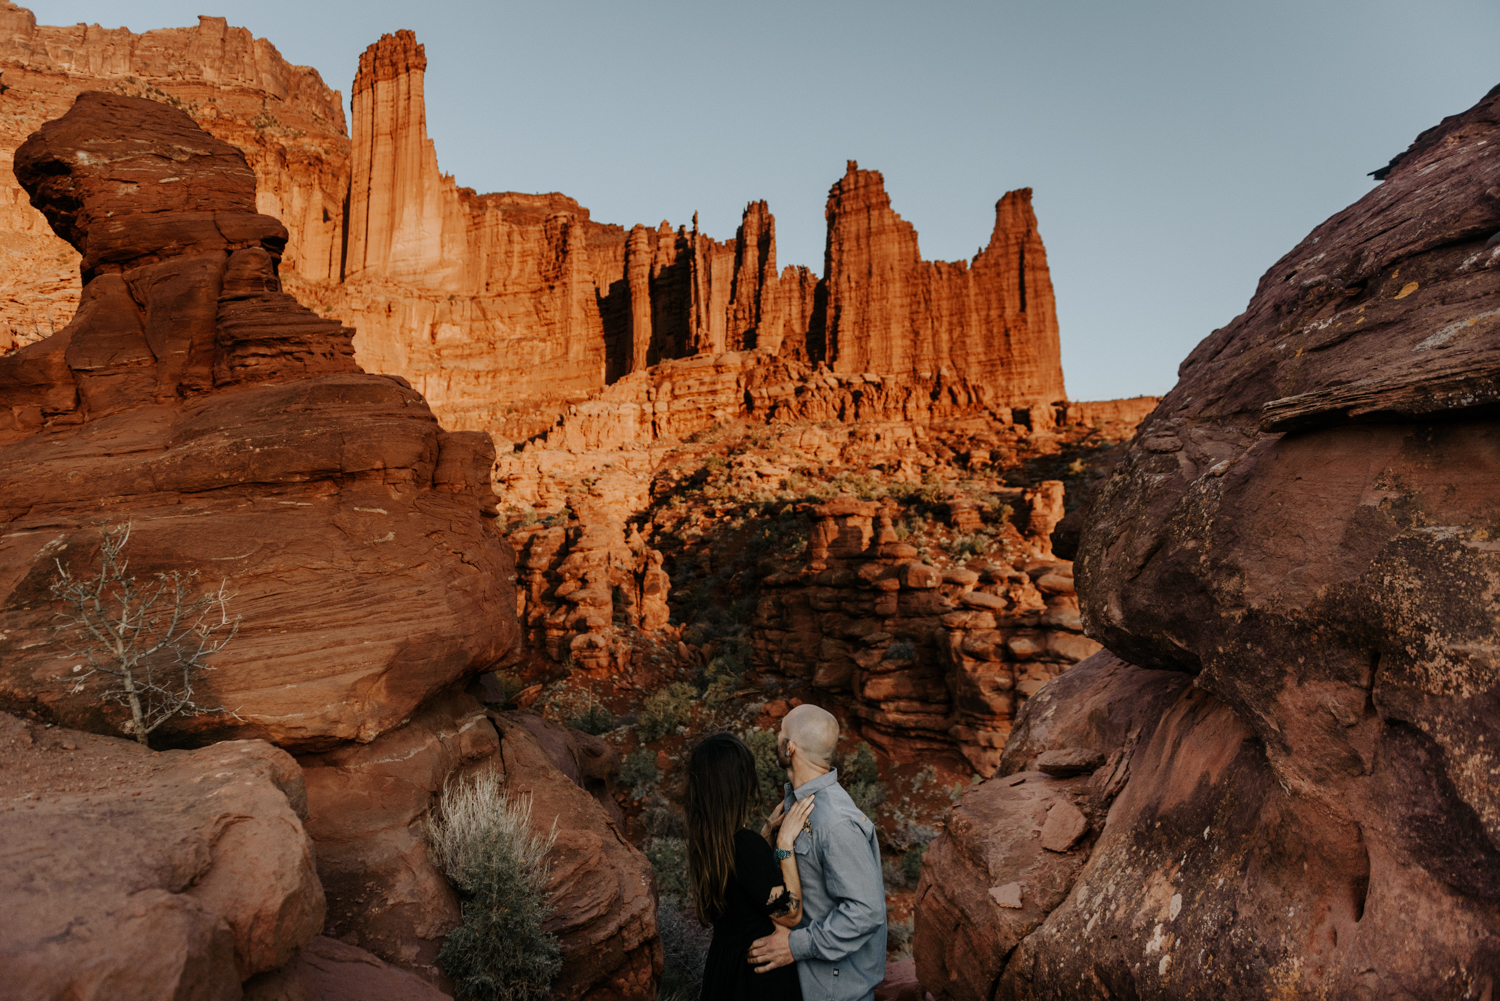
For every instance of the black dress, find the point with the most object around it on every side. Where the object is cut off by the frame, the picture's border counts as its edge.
(726, 975)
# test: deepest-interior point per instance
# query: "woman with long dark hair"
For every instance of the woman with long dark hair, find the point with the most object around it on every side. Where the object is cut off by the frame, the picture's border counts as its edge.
(738, 884)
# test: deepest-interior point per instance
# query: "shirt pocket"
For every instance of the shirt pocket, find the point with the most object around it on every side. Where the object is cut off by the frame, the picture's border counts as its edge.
(803, 844)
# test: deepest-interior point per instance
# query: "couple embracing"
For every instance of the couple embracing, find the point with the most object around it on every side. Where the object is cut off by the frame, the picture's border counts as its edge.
(799, 909)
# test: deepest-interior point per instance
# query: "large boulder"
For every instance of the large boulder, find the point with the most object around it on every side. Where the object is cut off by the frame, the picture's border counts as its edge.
(194, 398)
(1305, 528)
(128, 874)
(367, 804)
(368, 808)
(603, 892)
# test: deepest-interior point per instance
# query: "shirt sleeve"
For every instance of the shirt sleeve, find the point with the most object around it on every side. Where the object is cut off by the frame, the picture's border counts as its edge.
(851, 876)
(758, 871)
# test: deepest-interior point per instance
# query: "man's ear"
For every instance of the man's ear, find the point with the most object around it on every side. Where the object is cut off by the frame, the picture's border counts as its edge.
(791, 749)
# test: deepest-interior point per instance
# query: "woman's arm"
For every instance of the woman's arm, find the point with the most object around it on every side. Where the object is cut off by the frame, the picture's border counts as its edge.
(790, 914)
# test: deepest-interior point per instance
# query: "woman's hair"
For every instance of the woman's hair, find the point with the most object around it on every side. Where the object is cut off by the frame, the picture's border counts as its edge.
(721, 784)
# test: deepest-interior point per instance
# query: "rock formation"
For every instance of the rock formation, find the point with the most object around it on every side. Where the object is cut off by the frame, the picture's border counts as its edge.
(193, 397)
(286, 121)
(487, 299)
(992, 323)
(1295, 559)
(234, 429)
(936, 657)
(128, 874)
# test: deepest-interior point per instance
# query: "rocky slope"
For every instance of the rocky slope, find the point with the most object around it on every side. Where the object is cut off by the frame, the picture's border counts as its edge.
(1295, 561)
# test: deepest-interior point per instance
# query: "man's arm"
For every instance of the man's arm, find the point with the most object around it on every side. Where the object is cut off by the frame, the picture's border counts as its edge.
(851, 875)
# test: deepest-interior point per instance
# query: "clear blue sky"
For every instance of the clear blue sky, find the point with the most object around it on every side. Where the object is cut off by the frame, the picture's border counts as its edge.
(1177, 148)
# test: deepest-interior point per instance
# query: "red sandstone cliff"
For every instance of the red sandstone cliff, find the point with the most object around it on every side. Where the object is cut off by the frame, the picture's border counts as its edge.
(502, 308)
(993, 323)
(286, 121)
(484, 298)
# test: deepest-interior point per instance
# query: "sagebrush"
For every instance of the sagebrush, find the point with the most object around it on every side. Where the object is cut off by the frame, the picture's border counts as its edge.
(482, 839)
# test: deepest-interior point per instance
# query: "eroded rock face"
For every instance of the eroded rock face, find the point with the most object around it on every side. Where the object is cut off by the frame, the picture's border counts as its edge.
(367, 804)
(936, 658)
(284, 118)
(235, 431)
(132, 874)
(1304, 528)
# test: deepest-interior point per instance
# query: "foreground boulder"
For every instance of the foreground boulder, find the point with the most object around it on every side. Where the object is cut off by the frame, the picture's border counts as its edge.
(603, 891)
(369, 805)
(128, 874)
(194, 398)
(1305, 529)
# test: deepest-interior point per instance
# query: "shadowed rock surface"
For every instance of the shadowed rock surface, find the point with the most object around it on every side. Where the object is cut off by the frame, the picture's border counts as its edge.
(131, 874)
(1304, 529)
(193, 397)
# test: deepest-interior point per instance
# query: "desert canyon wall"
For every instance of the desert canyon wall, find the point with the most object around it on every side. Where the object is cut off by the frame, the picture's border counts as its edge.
(502, 309)
(288, 123)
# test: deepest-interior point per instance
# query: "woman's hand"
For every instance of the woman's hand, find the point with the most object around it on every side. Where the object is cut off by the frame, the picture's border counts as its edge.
(792, 825)
(772, 822)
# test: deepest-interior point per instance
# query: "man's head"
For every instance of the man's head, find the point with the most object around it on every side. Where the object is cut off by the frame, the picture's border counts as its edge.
(808, 732)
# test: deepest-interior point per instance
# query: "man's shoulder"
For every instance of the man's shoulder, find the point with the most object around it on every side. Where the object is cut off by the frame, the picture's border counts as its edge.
(837, 808)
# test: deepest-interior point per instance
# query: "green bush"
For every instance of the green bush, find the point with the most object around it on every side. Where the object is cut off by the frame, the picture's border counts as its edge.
(762, 744)
(911, 864)
(668, 858)
(595, 720)
(970, 545)
(666, 710)
(860, 777)
(640, 773)
(481, 838)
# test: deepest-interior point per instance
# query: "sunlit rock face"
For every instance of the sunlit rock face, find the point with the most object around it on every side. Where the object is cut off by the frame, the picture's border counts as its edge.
(194, 398)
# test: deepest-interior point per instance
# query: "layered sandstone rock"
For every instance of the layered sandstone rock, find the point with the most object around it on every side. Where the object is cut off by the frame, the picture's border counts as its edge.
(366, 807)
(132, 874)
(1303, 528)
(288, 123)
(936, 657)
(194, 398)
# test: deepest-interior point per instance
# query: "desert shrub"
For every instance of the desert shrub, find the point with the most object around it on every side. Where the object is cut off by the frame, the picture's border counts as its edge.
(146, 644)
(482, 839)
(860, 777)
(970, 545)
(639, 772)
(578, 708)
(762, 744)
(668, 858)
(684, 945)
(898, 938)
(666, 710)
(659, 819)
(596, 720)
(911, 864)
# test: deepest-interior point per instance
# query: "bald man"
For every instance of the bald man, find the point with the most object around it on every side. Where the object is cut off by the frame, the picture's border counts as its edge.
(839, 947)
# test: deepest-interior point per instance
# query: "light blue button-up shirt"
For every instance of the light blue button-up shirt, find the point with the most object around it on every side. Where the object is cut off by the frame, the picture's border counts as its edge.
(840, 943)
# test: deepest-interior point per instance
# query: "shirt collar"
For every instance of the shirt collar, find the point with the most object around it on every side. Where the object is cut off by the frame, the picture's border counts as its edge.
(811, 786)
